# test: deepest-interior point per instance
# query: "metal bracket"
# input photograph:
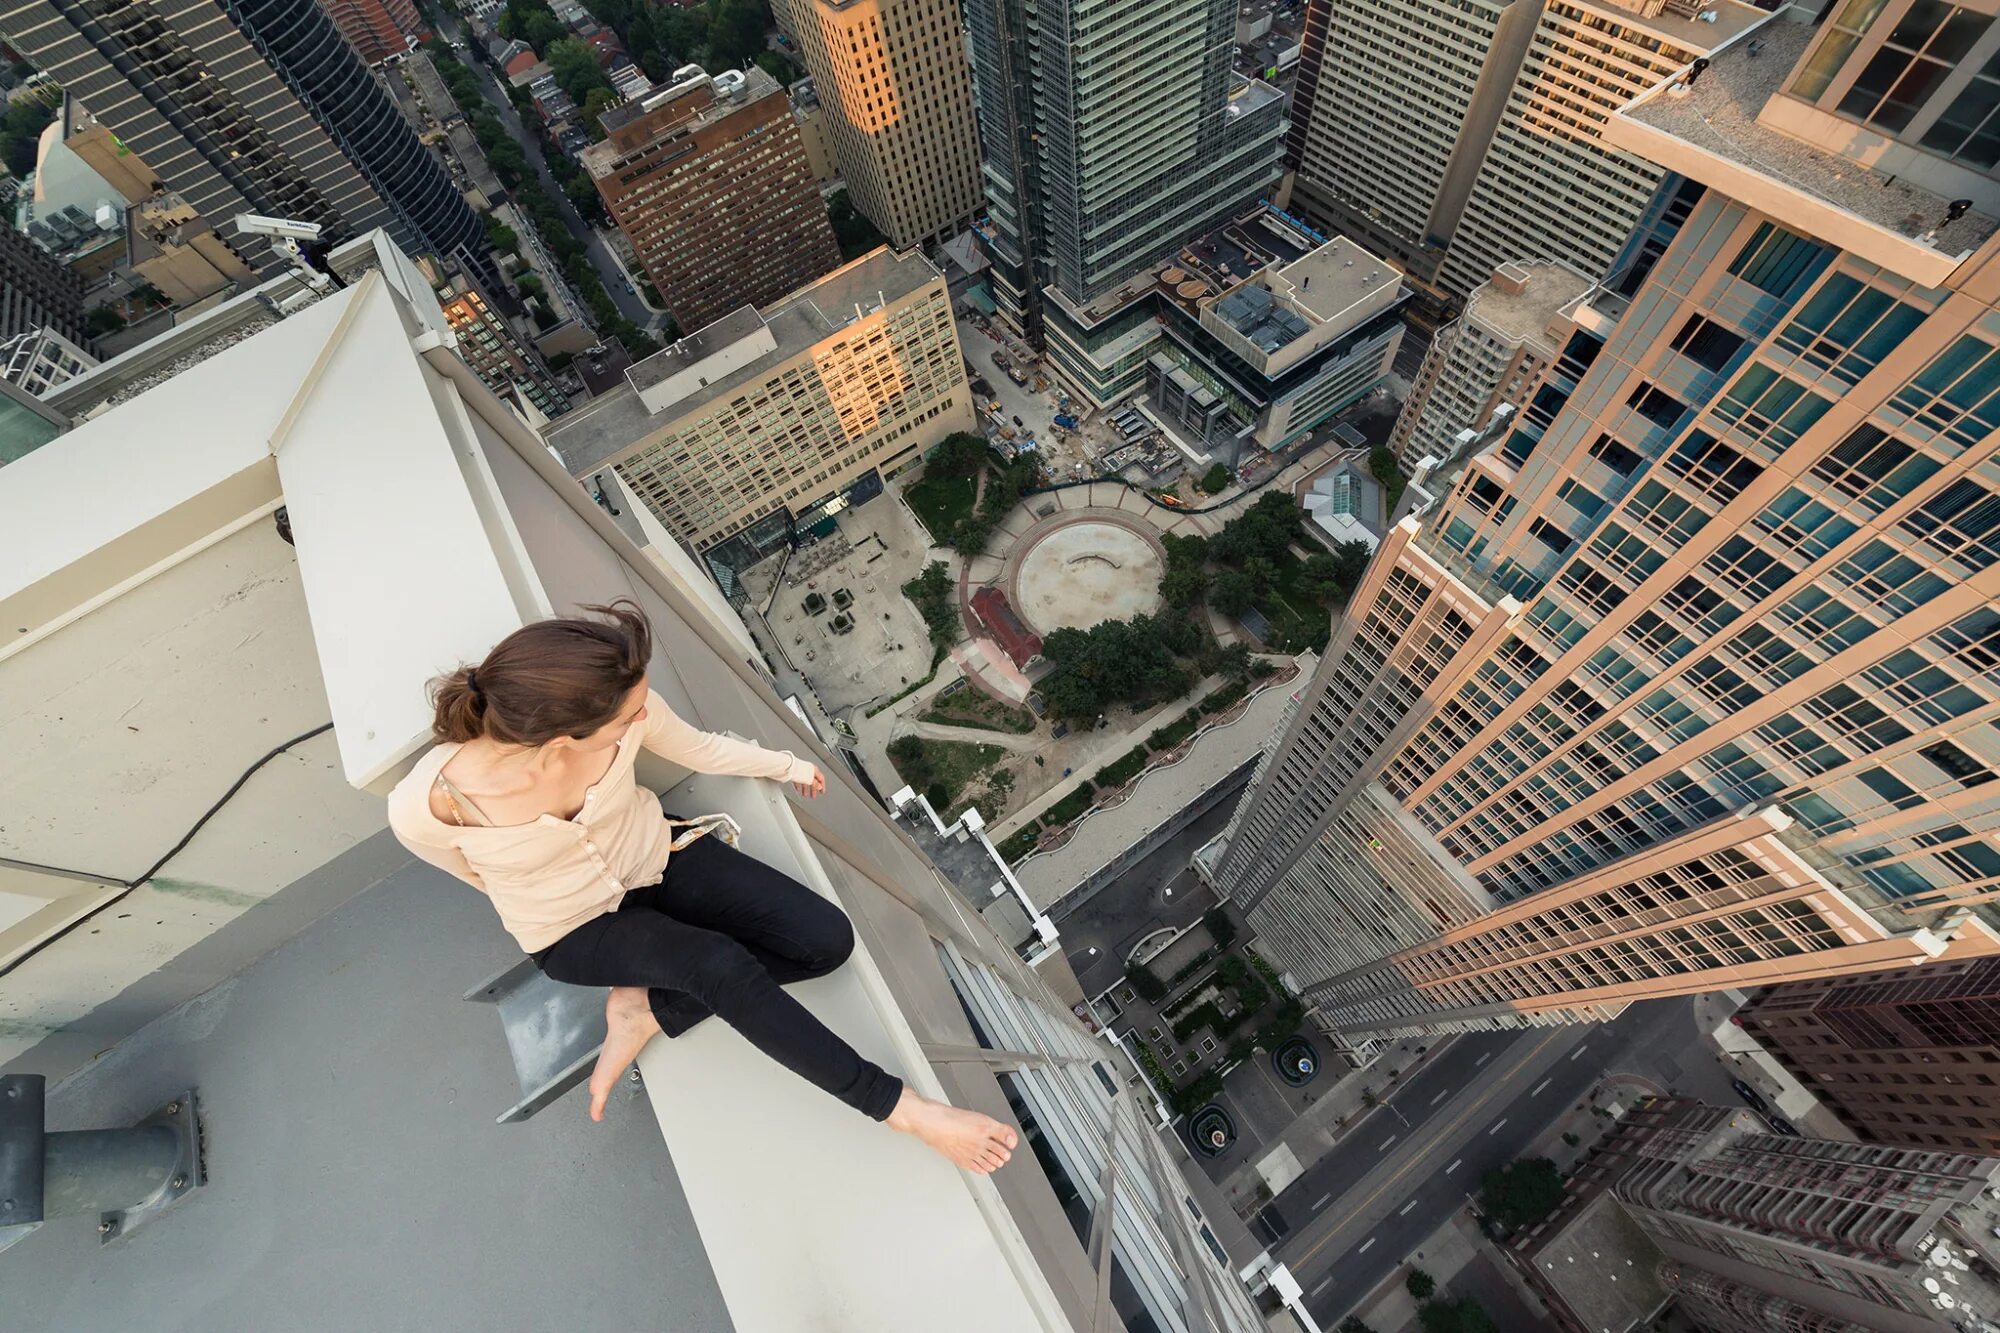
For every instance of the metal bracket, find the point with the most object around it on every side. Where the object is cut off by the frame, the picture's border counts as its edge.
(553, 1031)
(189, 1173)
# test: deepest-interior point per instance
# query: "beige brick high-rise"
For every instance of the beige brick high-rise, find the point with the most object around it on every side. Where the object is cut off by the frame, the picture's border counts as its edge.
(896, 87)
(769, 420)
(1690, 678)
(1455, 135)
(709, 181)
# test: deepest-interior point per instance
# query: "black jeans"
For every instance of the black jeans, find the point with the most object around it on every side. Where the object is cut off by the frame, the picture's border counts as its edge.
(719, 935)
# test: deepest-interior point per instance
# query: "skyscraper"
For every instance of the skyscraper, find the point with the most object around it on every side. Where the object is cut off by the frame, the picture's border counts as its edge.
(1514, 325)
(1908, 1056)
(376, 29)
(35, 291)
(1688, 678)
(709, 181)
(1455, 135)
(760, 424)
(1749, 1232)
(1852, 1232)
(893, 82)
(255, 106)
(1110, 136)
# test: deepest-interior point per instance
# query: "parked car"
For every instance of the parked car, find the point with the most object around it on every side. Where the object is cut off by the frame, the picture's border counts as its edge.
(1751, 1097)
(1780, 1125)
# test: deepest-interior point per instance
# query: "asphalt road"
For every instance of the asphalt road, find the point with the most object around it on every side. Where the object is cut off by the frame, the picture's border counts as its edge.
(629, 305)
(1415, 1160)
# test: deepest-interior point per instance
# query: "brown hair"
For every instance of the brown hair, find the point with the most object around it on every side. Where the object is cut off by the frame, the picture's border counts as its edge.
(562, 677)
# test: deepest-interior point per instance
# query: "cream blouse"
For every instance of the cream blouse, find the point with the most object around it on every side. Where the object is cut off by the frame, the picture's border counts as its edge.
(550, 876)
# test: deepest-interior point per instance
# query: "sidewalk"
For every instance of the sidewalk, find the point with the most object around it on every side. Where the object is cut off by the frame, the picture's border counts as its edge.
(1462, 1263)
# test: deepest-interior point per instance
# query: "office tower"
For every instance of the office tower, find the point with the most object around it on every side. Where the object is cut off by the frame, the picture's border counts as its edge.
(1093, 172)
(248, 106)
(1687, 680)
(281, 490)
(1858, 1232)
(1747, 1231)
(1479, 368)
(895, 88)
(1908, 1056)
(492, 348)
(40, 359)
(709, 181)
(768, 421)
(35, 291)
(376, 29)
(1456, 135)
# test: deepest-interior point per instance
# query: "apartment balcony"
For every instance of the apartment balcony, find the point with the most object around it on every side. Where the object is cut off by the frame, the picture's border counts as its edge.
(285, 539)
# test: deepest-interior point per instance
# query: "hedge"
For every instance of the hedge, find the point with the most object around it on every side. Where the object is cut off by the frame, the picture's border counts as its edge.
(1019, 843)
(1223, 698)
(1167, 737)
(1120, 770)
(1068, 808)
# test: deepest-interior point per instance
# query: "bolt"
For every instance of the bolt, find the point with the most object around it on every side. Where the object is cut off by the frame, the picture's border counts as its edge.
(173, 1108)
(106, 1227)
(635, 1073)
(6, 1205)
(180, 1182)
(12, 1093)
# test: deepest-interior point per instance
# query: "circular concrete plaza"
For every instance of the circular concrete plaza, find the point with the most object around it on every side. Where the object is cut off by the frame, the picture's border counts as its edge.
(1079, 569)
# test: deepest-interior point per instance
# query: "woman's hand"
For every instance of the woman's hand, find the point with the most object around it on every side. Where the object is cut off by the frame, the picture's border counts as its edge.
(812, 786)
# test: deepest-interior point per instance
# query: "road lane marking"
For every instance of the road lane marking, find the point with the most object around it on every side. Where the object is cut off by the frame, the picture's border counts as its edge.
(1324, 1283)
(1440, 1097)
(1404, 1211)
(1538, 1088)
(1482, 1059)
(1578, 1051)
(1385, 1143)
(1496, 1126)
(1463, 1117)
(1324, 1199)
(1453, 1167)
(1364, 1249)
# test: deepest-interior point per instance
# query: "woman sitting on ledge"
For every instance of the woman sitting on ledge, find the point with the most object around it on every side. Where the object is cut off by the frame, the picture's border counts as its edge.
(529, 796)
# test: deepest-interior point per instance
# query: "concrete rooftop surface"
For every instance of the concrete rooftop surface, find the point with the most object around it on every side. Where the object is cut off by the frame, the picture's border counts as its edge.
(1719, 114)
(1525, 316)
(355, 1176)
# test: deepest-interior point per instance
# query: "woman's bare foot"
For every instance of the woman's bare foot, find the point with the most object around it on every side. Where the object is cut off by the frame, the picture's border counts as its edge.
(974, 1141)
(628, 1025)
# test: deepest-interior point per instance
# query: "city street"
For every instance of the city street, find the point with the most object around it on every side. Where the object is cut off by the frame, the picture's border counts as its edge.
(629, 305)
(1398, 1173)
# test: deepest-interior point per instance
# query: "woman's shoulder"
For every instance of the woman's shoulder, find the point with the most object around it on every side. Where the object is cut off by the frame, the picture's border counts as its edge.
(410, 800)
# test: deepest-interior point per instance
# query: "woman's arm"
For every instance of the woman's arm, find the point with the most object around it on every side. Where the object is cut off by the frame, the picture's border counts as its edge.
(670, 736)
(446, 858)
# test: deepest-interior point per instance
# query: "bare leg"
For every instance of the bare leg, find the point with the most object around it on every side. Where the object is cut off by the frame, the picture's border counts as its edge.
(628, 1025)
(974, 1141)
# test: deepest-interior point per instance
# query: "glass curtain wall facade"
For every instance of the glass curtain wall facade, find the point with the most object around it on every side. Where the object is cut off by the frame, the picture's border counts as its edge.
(1692, 679)
(1111, 130)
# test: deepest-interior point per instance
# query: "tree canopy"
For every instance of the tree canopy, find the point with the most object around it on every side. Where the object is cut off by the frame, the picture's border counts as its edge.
(1521, 1193)
(1464, 1315)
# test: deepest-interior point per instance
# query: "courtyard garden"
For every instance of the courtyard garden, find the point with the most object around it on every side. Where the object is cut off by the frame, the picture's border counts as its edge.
(1226, 1007)
(1249, 568)
(953, 774)
(966, 706)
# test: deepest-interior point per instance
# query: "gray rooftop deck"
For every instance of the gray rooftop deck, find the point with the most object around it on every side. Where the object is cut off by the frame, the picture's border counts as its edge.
(356, 1177)
(1719, 115)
